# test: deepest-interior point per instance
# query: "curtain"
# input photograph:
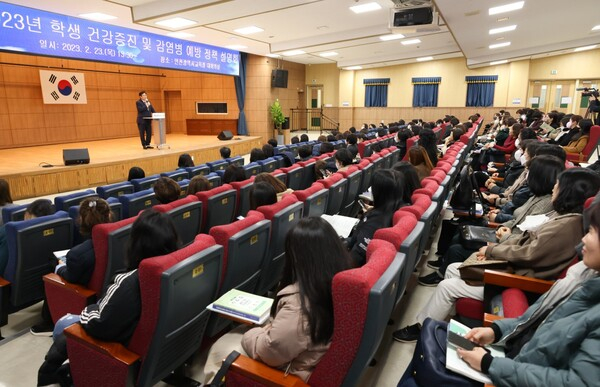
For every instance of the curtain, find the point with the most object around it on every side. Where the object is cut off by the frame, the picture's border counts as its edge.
(425, 91)
(376, 91)
(480, 90)
(240, 92)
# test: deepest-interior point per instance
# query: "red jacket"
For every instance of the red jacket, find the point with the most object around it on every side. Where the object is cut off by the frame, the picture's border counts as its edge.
(509, 145)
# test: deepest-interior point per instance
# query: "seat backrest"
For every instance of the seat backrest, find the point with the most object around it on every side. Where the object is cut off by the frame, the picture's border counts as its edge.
(218, 206)
(186, 214)
(137, 201)
(337, 186)
(283, 216)
(252, 169)
(592, 142)
(295, 176)
(237, 161)
(245, 245)
(183, 186)
(367, 168)
(217, 165)
(314, 198)
(110, 248)
(214, 179)
(31, 244)
(350, 291)
(175, 290)
(383, 259)
(243, 195)
(176, 175)
(308, 176)
(144, 183)
(354, 182)
(64, 202)
(201, 169)
(17, 212)
(268, 165)
(115, 190)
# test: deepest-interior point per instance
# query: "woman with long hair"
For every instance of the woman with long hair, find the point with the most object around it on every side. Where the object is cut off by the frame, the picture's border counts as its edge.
(301, 325)
(418, 156)
(388, 192)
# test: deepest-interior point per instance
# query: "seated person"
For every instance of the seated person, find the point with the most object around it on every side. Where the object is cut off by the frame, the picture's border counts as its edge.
(272, 142)
(80, 260)
(115, 316)
(351, 142)
(387, 187)
(5, 198)
(343, 159)
(225, 152)
(233, 173)
(199, 183)
(262, 194)
(304, 137)
(544, 171)
(541, 253)
(326, 147)
(294, 140)
(268, 150)
(257, 154)
(579, 141)
(428, 140)
(299, 332)
(37, 208)
(555, 342)
(136, 173)
(417, 155)
(279, 186)
(166, 190)
(401, 137)
(304, 152)
(185, 161)
(410, 179)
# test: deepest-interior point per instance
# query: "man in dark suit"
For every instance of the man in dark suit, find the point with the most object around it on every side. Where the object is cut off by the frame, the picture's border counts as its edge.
(144, 109)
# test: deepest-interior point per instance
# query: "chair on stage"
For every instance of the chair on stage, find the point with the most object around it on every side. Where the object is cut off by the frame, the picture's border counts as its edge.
(168, 332)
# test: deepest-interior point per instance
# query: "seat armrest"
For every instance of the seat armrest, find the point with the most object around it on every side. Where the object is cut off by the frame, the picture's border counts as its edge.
(56, 280)
(506, 280)
(114, 350)
(264, 374)
(489, 318)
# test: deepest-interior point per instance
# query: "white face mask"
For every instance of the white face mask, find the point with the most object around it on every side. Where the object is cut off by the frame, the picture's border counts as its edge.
(569, 124)
(523, 117)
(523, 160)
(518, 154)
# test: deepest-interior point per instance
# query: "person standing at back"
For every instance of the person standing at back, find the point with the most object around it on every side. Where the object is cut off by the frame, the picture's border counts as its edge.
(144, 109)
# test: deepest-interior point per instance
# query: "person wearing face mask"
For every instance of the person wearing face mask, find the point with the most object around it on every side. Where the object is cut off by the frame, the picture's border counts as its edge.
(579, 140)
(343, 159)
(565, 136)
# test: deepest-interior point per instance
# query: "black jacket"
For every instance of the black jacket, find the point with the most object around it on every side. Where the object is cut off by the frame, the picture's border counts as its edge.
(80, 264)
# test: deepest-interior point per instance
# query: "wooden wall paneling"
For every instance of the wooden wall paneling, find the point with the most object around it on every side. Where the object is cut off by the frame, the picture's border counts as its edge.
(21, 186)
(44, 185)
(72, 179)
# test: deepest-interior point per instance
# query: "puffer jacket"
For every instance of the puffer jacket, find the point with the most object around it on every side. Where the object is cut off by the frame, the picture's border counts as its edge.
(565, 348)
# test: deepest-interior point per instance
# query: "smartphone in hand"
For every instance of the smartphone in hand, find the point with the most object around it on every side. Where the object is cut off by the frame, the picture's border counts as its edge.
(460, 341)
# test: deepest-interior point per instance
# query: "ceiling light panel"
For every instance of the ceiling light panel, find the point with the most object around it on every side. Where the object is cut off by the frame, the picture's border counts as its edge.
(500, 30)
(498, 62)
(293, 53)
(180, 35)
(236, 47)
(499, 45)
(506, 8)
(596, 28)
(176, 22)
(424, 59)
(367, 7)
(386, 38)
(97, 16)
(249, 30)
(353, 68)
(327, 54)
(410, 41)
(585, 48)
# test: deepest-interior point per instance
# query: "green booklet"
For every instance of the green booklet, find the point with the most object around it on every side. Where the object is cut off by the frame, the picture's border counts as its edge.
(243, 305)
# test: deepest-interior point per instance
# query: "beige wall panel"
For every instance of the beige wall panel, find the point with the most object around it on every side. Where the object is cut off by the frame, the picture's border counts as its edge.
(577, 65)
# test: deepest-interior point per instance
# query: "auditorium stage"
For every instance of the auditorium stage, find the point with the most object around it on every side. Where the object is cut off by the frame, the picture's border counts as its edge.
(110, 161)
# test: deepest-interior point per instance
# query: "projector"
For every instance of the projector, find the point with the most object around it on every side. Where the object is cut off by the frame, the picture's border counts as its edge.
(405, 17)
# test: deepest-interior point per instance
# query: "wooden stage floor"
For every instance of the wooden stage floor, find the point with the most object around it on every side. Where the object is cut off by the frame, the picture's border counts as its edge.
(110, 161)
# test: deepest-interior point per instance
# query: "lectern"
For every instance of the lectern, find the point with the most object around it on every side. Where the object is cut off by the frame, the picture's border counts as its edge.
(160, 138)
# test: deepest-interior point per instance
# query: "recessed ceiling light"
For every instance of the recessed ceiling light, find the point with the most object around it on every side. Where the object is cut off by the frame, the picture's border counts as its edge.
(424, 59)
(273, 55)
(176, 22)
(411, 41)
(330, 53)
(596, 28)
(97, 16)
(502, 19)
(506, 8)
(385, 38)
(502, 29)
(500, 38)
(353, 68)
(585, 48)
(293, 53)
(367, 7)
(248, 30)
(498, 62)
(236, 47)
(180, 35)
(498, 45)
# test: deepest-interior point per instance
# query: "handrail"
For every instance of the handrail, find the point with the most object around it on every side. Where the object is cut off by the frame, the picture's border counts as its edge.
(312, 119)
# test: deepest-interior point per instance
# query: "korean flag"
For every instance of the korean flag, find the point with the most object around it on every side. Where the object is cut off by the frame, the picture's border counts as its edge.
(63, 87)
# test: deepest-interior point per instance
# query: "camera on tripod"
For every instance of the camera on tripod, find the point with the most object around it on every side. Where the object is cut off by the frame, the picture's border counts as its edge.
(589, 91)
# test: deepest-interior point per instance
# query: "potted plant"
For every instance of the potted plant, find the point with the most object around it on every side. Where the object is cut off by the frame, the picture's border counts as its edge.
(278, 119)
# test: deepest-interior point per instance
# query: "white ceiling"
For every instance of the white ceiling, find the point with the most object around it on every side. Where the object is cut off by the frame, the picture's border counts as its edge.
(316, 26)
